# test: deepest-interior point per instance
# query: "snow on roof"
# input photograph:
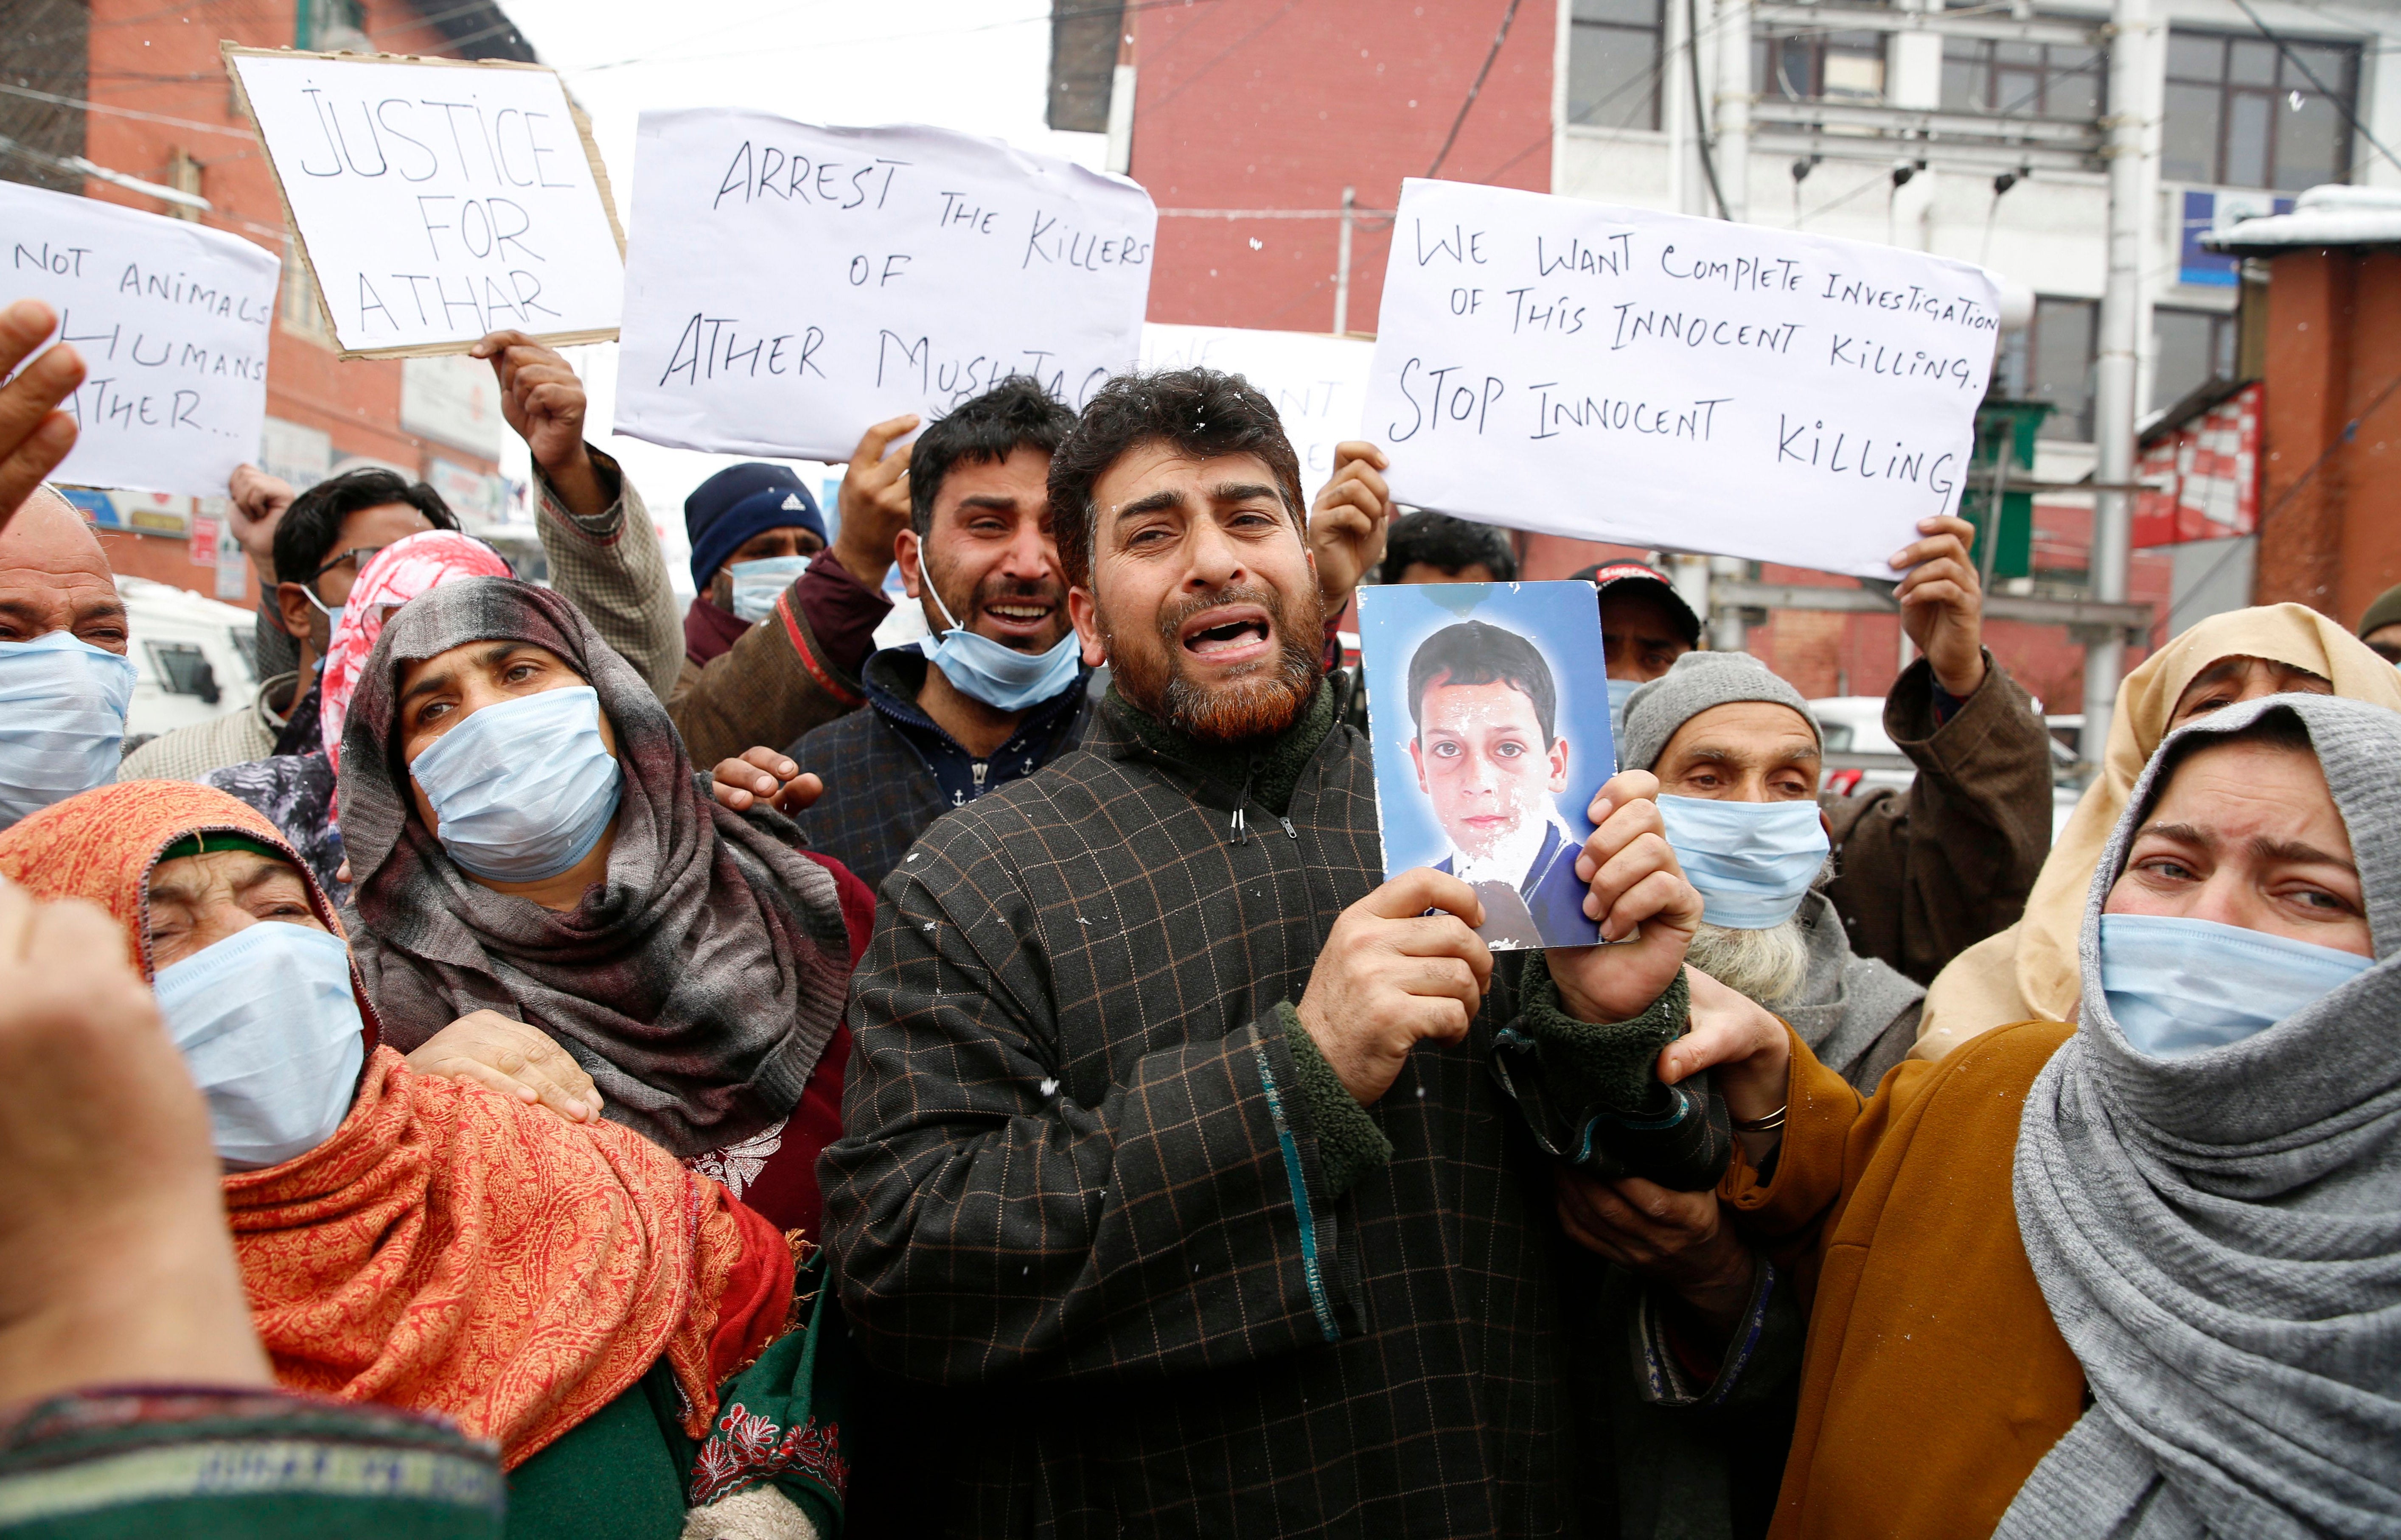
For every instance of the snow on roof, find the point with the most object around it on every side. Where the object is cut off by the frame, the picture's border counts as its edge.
(2332, 215)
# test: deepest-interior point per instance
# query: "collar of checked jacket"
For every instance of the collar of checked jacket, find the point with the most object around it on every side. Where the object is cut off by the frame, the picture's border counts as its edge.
(1232, 776)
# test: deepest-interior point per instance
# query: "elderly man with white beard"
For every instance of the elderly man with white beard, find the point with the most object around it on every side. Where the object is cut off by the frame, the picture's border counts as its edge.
(1737, 755)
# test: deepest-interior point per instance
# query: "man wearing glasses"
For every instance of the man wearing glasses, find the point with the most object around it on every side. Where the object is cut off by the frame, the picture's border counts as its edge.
(327, 534)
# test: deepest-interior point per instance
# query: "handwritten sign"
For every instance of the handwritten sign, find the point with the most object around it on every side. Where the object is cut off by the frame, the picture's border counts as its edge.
(172, 319)
(1318, 383)
(1614, 374)
(436, 200)
(788, 285)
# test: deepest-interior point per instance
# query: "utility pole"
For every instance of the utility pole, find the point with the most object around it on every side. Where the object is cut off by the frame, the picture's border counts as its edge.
(1342, 264)
(1733, 107)
(2133, 75)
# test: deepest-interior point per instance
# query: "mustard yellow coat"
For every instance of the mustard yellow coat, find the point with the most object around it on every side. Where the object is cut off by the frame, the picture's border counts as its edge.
(1934, 1380)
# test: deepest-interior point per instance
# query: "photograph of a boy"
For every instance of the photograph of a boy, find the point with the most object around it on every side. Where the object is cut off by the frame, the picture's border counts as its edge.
(1492, 762)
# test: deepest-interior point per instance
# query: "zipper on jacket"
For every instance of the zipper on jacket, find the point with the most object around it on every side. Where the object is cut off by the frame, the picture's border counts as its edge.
(1240, 826)
(977, 770)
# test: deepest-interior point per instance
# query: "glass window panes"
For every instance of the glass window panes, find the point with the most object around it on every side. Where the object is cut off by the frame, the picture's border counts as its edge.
(2189, 141)
(1614, 64)
(246, 642)
(2058, 358)
(2244, 113)
(1842, 66)
(2195, 347)
(2022, 80)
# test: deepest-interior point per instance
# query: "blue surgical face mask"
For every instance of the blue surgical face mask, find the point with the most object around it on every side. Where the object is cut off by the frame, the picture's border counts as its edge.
(757, 585)
(270, 1031)
(1753, 862)
(1621, 691)
(333, 614)
(524, 789)
(62, 704)
(1000, 677)
(2178, 987)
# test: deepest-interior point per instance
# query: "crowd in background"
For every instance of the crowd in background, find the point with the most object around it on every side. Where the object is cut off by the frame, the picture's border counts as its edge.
(554, 1064)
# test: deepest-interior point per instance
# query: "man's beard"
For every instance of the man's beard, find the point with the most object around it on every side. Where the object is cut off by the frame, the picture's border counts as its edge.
(1260, 703)
(999, 588)
(1768, 966)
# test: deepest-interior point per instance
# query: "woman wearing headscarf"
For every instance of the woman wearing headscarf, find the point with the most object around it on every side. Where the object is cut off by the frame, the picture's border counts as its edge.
(528, 839)
(2030, 971)
(296, 791)
(612, 1321)
(2140, 1276)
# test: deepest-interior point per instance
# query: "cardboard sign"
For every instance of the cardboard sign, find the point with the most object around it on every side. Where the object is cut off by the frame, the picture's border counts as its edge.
(436, 199)
(172, 319)
(1491, 780)
(1614, 374)
(788, 285)
(1318, 383)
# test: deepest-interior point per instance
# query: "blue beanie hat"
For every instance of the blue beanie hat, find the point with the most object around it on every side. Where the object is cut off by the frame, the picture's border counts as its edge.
(741, 501)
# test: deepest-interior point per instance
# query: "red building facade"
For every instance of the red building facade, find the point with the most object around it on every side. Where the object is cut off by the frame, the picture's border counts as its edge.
(139, 89)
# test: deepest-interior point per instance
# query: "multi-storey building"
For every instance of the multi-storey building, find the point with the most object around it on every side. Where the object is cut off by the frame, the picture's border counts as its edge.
(1974, 132)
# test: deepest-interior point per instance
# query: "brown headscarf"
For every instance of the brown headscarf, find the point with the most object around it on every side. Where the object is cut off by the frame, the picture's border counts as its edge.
(2031, 969)
(449, 1248)
(697, 985)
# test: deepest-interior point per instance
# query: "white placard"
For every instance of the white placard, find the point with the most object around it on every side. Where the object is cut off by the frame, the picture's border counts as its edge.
(437, 200)
(172, 319)
(1318, 383)
(1614, 374)
(788, 285)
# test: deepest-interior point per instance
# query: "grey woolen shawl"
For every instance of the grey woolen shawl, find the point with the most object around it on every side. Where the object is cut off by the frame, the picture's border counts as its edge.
(697, 983)
(2218, 1236)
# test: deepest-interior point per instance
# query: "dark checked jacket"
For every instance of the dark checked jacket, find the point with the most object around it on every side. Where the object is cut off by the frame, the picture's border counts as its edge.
(890, 770)
(1079, 1189)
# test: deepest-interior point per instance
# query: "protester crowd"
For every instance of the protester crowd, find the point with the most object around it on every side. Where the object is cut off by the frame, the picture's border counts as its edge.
(552, 1065)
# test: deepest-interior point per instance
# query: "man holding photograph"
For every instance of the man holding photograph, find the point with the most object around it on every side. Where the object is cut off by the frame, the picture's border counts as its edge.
(1171, 1150)
(1490, 760)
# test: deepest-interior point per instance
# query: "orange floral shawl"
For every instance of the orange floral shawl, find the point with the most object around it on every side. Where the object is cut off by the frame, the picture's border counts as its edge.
(449, 1249)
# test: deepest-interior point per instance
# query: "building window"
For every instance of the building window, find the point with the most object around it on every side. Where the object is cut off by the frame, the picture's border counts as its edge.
(2242, 114)
(1983, 75)
(1613, 64)
(2195, 348)
(1083, 64)
(302, 312)
(1819, 66)
(2053, 360)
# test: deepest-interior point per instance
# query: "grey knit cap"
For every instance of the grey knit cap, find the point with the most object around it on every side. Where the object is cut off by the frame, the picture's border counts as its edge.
(1698, 681)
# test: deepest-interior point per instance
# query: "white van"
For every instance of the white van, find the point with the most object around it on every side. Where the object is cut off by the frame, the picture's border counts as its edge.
(192, 654)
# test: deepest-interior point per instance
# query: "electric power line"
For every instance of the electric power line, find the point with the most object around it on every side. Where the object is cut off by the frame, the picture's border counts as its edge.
(1475, 89)
(2340, 104)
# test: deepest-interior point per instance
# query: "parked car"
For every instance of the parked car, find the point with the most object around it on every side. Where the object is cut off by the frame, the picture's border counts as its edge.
(1859, 756)
(191, 658)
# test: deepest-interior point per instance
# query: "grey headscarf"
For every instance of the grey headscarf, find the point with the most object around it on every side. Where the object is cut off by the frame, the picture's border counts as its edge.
(2218, 1236)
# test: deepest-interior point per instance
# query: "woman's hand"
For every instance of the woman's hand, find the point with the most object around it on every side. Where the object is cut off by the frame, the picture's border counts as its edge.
(513, 1059)
(1749, 1050)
